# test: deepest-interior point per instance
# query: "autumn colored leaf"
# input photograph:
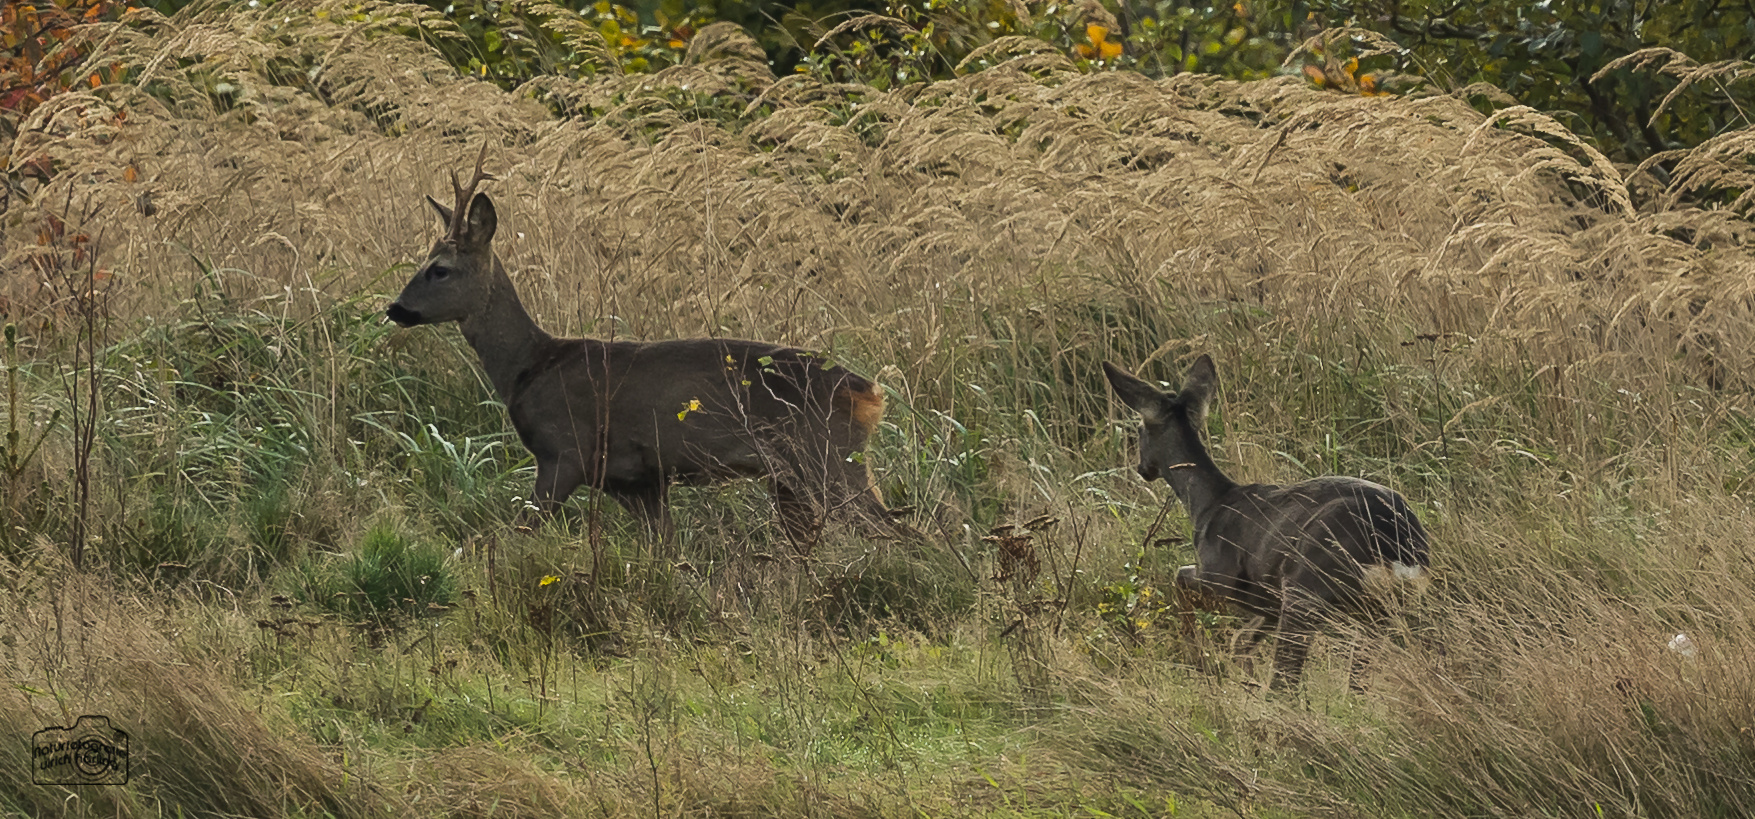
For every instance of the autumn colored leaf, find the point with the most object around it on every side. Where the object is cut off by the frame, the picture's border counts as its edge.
(1100, 47)
(32, 72)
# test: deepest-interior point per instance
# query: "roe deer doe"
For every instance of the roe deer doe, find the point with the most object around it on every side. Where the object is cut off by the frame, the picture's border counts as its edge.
(630, 418)
(1292, 555)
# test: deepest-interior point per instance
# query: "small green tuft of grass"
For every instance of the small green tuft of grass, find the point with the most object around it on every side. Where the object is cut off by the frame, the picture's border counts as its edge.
(390, 574)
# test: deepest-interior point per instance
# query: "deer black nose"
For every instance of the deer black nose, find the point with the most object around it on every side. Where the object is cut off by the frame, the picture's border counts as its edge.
(1148, 472)
(402, 315)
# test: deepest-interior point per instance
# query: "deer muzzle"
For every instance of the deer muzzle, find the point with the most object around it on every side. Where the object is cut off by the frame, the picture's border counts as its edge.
(402, 315)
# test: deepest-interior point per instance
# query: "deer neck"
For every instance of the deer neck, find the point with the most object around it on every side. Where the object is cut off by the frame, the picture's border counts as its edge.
(1195, 479)
(503, 335)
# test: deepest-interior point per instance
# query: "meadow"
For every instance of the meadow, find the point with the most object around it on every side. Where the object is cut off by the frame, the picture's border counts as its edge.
(272, 536)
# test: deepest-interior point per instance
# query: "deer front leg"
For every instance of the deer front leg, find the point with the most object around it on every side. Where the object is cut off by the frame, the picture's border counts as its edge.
(556, 479)
(1192, 594)
(1221, 594)
(1300, 617)
(1211, 592)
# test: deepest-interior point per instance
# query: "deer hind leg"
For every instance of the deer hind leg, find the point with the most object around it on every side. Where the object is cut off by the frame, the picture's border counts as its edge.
(853, 496)
(650, 506)
(799, 513)
(1356, 669)
(1365, 630)
(1247, 638)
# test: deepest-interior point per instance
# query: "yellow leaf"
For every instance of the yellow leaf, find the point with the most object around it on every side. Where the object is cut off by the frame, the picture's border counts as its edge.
(675, 43)
(1096, 33)
(547, 579)
(1316, 76)
(1109, 50)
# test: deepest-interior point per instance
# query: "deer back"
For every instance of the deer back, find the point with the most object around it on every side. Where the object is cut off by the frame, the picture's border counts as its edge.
(689, 408)
(1322, 537)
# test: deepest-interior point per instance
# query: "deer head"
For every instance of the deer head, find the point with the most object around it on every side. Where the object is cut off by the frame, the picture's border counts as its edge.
(1170, 436)
(458, 274)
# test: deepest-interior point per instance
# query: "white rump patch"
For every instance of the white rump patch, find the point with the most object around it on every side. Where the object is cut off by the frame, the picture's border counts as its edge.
(1380, 578)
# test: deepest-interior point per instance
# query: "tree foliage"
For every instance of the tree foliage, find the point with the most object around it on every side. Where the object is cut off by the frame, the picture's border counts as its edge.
(40, 56)
(1589, 65)
(1569, 59)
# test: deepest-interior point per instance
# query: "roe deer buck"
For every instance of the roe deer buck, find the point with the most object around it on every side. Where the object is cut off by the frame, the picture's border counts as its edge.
(1292, 555)
(630, 418)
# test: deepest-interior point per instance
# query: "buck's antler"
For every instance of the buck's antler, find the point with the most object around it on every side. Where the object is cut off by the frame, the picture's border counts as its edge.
(464, 194)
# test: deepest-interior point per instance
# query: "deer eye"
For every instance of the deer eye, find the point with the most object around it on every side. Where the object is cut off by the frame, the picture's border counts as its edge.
(437, 273)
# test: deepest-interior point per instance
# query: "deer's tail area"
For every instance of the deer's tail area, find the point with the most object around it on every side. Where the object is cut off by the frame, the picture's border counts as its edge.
(1395, 577)
(863, 400)
(1402, 546)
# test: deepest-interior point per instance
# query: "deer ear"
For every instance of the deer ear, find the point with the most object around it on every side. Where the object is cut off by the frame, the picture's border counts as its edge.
(1198, 386)
(1141, 397)
(444, 212)
(479, 229)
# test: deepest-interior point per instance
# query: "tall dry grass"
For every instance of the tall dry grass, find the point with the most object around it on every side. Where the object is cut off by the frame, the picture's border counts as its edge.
(1545, 352)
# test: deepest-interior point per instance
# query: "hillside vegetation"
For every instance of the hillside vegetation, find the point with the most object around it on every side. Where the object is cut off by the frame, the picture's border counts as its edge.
(298, 582)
